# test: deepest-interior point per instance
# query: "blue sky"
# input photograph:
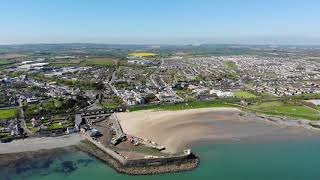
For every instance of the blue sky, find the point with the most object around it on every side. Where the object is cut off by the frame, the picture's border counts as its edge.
(160, 21)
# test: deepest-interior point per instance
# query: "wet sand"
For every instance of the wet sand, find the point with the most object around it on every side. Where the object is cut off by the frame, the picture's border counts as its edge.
(176, 129)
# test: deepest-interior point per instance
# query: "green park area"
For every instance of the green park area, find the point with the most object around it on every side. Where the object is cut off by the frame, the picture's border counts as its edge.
(99, 61)
(244, 94)
(230, 64)
(66, 62)
(309, 95)
(4, 62)
(7, 113)
(181, 106)
(286, 109)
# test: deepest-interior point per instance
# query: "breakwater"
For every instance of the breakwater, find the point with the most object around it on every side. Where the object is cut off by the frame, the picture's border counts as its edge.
(178, 163)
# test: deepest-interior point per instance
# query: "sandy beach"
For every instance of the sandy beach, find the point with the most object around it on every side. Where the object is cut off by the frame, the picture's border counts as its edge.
(176, 129)
(35, 144)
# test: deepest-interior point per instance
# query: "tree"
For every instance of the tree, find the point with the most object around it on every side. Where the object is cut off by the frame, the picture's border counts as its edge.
(99, 86)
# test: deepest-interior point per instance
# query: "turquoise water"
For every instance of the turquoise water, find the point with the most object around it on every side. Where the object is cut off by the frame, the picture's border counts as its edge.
(283, 160)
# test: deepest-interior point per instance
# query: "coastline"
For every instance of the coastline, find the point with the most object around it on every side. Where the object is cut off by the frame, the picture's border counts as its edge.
(175, 129)
(37, 144)
(188, 125)
(13, 160)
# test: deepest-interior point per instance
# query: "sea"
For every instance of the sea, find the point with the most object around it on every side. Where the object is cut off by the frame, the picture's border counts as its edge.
(297, 159)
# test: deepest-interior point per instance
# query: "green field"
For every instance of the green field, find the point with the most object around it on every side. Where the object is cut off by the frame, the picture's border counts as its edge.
(99, 61)
(7, 113)
(142, 54)
(4, 62)
(181, 106)
(57, 125)
(309, 95)
(67, 63)
(285, 109)
(244, 94)
(267, 95)
(63, 64)
(230, 64)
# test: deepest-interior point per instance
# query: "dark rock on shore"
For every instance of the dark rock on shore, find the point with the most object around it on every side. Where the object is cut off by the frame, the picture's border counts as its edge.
(41, 159)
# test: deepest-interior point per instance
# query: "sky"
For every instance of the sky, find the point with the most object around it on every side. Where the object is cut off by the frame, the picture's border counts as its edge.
(160, 21)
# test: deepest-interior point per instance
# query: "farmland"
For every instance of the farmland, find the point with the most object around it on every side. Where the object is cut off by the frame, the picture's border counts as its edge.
(244, 94)
(4, 62)
(142, 54)
(99, 61)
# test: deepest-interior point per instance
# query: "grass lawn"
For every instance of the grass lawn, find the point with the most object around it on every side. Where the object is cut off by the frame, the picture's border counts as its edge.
(66, 63)
(4, 136)
(34, 130)
(142, 54)
(4, 62)
(55, 126)
(62, 64)
(267, 95)
(99, 61)
(8, 113)
(181, 106)
(230, 64)
(309, 95)
(184, 91)
(244, 94)
(290, 110)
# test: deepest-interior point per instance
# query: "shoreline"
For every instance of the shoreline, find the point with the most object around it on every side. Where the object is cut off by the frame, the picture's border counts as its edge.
(35, 144)
(13, 160)
(174, 129)
(177, 129)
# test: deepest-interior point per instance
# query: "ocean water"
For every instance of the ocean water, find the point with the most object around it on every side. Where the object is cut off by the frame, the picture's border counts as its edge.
(276, 160)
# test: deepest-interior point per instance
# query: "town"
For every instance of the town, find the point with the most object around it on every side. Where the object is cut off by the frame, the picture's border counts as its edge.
(42, 91)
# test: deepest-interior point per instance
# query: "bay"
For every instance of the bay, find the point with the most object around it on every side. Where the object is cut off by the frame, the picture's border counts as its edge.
(284, 160)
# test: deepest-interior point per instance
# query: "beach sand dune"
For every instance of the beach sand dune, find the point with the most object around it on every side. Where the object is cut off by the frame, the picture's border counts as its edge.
(176, 129)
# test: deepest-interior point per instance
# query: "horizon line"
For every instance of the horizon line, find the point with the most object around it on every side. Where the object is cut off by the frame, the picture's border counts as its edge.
(166, 44)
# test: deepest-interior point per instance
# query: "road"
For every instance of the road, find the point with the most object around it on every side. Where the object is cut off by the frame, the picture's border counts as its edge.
(111, 81)
(22, 119)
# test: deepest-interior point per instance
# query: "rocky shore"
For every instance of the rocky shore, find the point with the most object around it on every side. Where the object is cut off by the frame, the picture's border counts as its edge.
(40, 143)
(16, 160)
(290, 122)
(172, 167)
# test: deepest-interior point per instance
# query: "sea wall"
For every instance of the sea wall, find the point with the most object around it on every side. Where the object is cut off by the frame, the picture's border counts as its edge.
(141, 162)
(141, 166)
(110, 152)
(158, 161)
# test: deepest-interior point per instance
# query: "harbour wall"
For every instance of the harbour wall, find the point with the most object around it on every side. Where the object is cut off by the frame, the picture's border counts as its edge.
(176, 159)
